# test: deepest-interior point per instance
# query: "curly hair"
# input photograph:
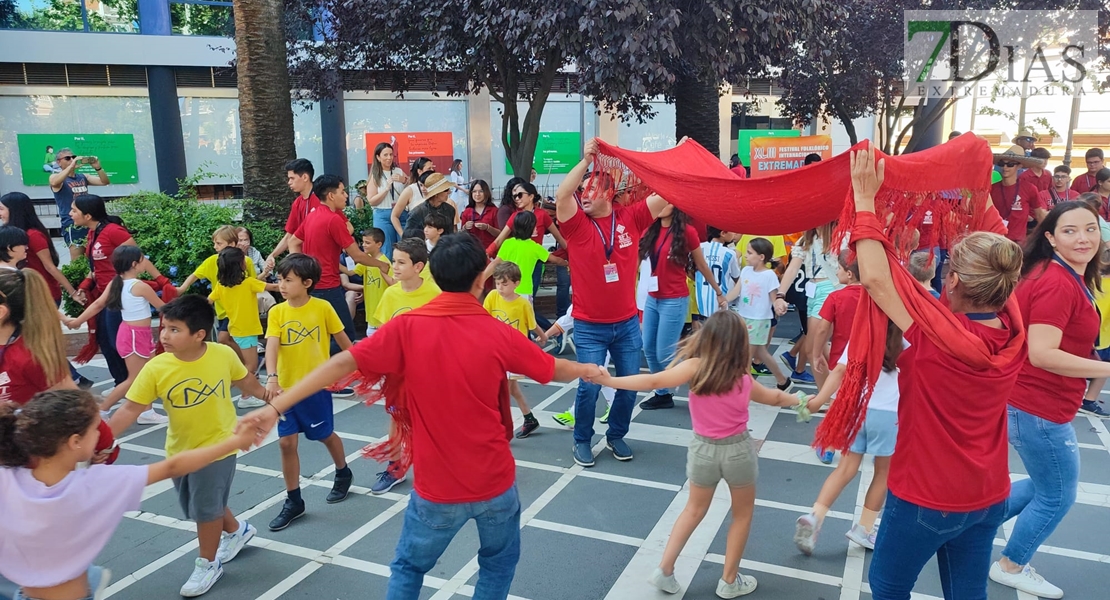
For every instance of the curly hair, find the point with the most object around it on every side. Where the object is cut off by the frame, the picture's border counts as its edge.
(679, 253)
(40, 427)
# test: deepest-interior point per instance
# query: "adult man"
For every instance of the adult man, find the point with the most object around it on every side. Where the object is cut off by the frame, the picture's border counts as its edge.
(1038, 175)
(1026, 140)
(461, 473)
(1059, 192)
(299, 173)
(1015, 200)
(323, 235)
(1087, 182)
(437, 189)
(603, 241)
(68, 183)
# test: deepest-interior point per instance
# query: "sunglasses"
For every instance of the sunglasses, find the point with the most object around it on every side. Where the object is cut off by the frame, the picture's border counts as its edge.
(66, 157)
(519, 195)
(1007, 165)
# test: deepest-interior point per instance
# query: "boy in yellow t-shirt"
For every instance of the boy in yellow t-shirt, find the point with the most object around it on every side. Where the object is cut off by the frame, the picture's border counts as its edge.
(193, 378)
(412, 289)
(208, 271)
(509, 307)
(1102, 347)
(374, 282)
(298, 338)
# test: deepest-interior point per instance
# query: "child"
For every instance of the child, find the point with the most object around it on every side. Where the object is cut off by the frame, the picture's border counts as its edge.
(510, 307)
(208, 271)
(715, 362)
(13, 247)
(434, 226)
(563, 326)
(923, 267)
(723, 262)
(876, 437)
(412, 290)
(298, 337)
(194, 379)
(58, 518)
(1091, 404)
(134, 342)
(756, 291)
(237, 290)
(520, 249)
(374, 281)
(837, 316)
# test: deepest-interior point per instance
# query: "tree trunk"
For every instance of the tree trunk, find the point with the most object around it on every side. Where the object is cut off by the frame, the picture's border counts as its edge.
(697, 111)
(265, 108)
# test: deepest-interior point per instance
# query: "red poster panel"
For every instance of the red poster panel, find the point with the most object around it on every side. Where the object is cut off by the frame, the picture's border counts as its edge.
(776, 155)
(407, 147)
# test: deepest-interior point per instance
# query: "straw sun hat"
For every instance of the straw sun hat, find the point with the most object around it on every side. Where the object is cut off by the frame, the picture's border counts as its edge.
(1017, 154)
(436, 183)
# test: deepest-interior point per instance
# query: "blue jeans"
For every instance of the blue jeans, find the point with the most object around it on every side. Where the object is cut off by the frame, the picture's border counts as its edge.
(429, 527)
(941, 258)
(95, 574)
(537, 276)
(1051, 457)
(562, 291)
(663, 322)
(623, 342)
(337, 299)
(910, 535)
(381, 221)
(107, 326)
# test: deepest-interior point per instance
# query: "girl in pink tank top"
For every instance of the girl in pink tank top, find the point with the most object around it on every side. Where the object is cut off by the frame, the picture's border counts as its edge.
(715, 362)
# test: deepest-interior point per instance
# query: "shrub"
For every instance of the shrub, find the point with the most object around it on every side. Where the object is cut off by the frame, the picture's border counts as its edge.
(74, 271)
(361, 218)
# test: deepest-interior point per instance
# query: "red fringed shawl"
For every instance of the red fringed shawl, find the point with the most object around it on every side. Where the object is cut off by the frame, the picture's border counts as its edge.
(398, 448)
(89, 350)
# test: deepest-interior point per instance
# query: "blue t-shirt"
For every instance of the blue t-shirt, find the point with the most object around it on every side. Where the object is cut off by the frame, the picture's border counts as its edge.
(74, 186)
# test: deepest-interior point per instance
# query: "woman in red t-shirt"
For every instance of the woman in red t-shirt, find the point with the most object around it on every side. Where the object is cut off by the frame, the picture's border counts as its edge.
(949, 476)
(670, 244)
(17, 210)
(1056, 294)
(479, 218)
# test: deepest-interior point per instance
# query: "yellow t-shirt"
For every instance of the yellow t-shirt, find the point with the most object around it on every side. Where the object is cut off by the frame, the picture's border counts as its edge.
(195, 395)
(396, 301)
(777, 242)
(518, 313)
(373, 286)
(1103, 304)
(208, 272)
(426, 274)
(241, 304)
(305, 335)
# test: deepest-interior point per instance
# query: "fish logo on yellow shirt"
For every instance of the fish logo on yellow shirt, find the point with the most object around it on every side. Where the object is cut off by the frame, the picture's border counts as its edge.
(296, 333)
(194, 391)
(502, 316)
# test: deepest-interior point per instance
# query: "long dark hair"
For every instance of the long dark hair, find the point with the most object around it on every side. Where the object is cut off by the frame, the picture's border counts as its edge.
(376, 172)
(21, 214)
(479, 183)
(507, 195)
(123, 258)
(531, 191)
(414, 173)
(230, 267)
(93, 206)
(893, 347)
(679, 254)
(1038, 251)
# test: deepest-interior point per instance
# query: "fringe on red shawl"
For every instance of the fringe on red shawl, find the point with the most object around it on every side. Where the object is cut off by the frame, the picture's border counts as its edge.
(88, 351)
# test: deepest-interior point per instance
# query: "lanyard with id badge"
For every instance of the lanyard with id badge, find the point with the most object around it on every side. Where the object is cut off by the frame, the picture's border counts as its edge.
(653, 279)
(609, 268)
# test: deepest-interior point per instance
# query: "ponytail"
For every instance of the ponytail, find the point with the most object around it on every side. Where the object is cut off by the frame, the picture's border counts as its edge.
(115, 294)
(11, 454)
(43, 425)
(124, 258)
(31, 309)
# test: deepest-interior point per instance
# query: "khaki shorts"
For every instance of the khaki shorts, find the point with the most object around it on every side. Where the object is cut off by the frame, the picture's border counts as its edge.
(733, 459)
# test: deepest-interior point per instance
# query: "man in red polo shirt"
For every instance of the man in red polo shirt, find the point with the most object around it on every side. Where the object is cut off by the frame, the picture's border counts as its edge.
(1087, 182)
(1038, 175)
(300, 175)
(1014, 200)
(603, 241)
(462, 473)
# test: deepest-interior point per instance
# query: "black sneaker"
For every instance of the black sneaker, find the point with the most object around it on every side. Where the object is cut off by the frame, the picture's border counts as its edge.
(658, 401)
(290, 512)
(527, 428)
(760, 369)
(1093, 407)
(84, 383)
(785, 385)
(339, 489)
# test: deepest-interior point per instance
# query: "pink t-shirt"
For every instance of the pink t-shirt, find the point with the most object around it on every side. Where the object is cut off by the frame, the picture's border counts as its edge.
(50, 535)
(724, 415)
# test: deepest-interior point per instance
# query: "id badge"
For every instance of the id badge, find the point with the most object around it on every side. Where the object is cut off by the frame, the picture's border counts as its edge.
(811, 289)
(653, 284)
(611, 273)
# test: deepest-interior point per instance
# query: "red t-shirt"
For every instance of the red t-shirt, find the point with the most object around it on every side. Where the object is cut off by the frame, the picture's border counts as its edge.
(1042, 183)
(1015, 203)
(543, 221)
(1053, 297)
(595, 300)
(840, 311)
(301, 208)
(488, 216)
(455, 464)
(740, 171)
(111, 236)
(40, 242)
(951, 454)
(672, 277)
(1047, 201)
(324, 236)
(1084, 183)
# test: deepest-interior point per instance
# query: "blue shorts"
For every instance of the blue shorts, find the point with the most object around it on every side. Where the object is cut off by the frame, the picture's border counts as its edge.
(73, 235)
(221, 324)
(313, 416)
(878, 434)
(246, 342)
(1104, 354)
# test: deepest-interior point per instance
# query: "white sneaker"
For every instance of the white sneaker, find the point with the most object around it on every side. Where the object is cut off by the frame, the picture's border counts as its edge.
(250, 402)
(744, 585)
(860, 536)
(805, 533)
(205, 575)
(232, 543)
(149, 417)
(667, 583)
(1027, 581)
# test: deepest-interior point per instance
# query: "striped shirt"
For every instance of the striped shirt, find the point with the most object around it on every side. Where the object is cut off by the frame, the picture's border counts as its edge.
(723, 263)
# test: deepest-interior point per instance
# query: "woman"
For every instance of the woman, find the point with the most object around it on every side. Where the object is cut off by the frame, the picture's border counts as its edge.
(388, 184)
(814, 254)
(32, 348)
(459, 196)
(412, 196)
(949, 476)
(507, 206)
(106, 233)
(669, 243)
(438, 188)
(479, 218)
(1059, 280)
(1102, 188)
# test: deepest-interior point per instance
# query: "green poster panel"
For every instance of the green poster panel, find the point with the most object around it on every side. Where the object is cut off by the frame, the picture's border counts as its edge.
(116, 151)
(556, 152)
(744, 141)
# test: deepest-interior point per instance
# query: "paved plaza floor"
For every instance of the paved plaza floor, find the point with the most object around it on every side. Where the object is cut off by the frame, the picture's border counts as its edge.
(587, 534)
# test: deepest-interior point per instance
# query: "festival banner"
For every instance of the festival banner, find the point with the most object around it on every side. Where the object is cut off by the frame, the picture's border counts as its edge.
(773, 156)
(38, 155)
(409, 146)
(556, 152)
(744, 141)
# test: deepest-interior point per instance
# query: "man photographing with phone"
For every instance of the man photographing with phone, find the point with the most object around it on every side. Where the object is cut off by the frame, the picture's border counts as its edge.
(68, 184)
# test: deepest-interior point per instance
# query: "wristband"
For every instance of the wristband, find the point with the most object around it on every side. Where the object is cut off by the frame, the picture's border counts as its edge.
(779, 295)
(281, 417)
